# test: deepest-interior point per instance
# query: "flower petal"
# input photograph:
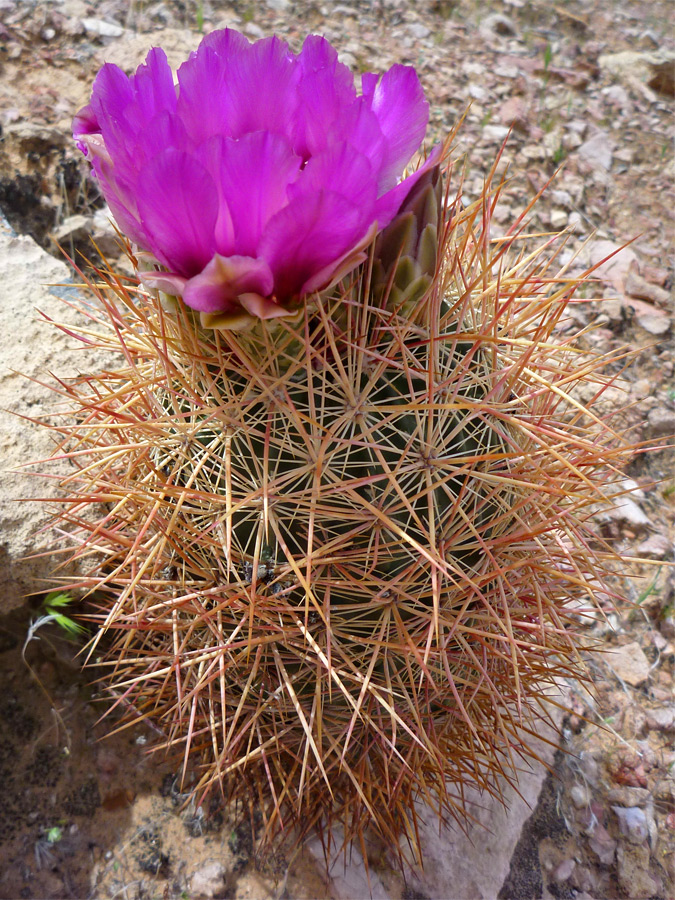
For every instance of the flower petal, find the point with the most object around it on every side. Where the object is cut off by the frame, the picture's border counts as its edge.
(342, 168)
(389, 204)
(311, 232)
(251, 88)
(403, 113)
(224, 279)
(253, 175)
(325, 90)
(178, 208)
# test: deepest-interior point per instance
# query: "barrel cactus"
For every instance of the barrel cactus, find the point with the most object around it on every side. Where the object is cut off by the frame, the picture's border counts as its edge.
(340, 534)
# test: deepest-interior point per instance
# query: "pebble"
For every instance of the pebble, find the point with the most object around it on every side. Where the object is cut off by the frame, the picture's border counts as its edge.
(654, 324)
(579, 796)
(629, 663)
(419, 31)
(658, 546)
(209, 880)
(660, 422)
(637, 286)
(662, 719)
(597, 151)
(495, 132)
(559, 218)
(632, 823)
(603, 845)
(102, 28)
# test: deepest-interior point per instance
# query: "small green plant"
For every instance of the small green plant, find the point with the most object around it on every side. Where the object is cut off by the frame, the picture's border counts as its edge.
(52, 605)
(53, 835)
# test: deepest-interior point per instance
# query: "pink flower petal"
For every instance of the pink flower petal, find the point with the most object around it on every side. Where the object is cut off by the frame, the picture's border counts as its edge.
(403, 113)
(253, 175)
(325, 90)
(251, 89)
(311, 232)
(224, 280)
(389, 204)
(344, 170)
(178, 208)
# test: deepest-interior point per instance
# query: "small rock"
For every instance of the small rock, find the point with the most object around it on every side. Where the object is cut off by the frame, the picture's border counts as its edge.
(662, 719)
(597, 151)
(637, 286)
(579, 796)
(102, 28)
(74, 227)
(632, 823)
(254, 31)
(660, 422)
(603, 845)
(278, 5)
(495, 132)
(629, 663)
(564, 871)
(498, 24)
(419, 31)
(559, 218)
(208, 880)
(654, 324)
(658, 546)
(626, 511)
(615, 261)
(628, 796)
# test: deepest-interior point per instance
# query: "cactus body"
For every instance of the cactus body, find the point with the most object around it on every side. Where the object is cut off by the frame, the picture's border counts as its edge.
(339, 550)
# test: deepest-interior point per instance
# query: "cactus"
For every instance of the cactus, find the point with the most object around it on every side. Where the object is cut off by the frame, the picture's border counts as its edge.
(336, 555)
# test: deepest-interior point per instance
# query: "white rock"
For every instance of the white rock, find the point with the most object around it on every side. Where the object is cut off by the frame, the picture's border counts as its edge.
(102, 28)
(278, 5)
(655, 324)
(495, 132)
(33, 347)
(632, 823)
(419, 31)
(629, 663)
(558, 218)
(597, 151)
(209, 879)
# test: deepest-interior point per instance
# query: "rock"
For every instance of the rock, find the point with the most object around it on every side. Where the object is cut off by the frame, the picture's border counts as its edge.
(559, 218)
(658, 546)
(633, 872)
(495, 132)
(597, 151)
(629, 663)
(74, 227)
(628, 796)
(632, 823)
(603, 845)
(102, 28)
(625, 511)
(41, 348)
(34, 136)
(564, 870)
(654, 324)
(614, 262)
(209, 880)
(637, 286)
(278, 5)
(647, 71)
(418, 31)
(498, 24)
(660, 422)
(579, 796)
(662, 719)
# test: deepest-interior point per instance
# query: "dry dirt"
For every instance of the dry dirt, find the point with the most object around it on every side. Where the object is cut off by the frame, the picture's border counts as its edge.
(585, 86)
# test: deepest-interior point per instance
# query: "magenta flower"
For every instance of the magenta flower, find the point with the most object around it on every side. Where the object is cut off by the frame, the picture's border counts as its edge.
(261, 177)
